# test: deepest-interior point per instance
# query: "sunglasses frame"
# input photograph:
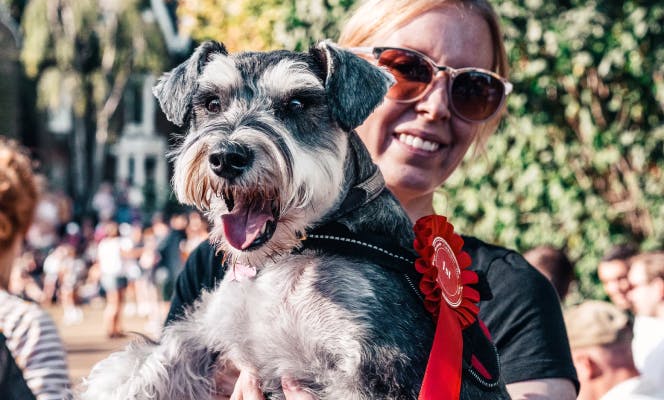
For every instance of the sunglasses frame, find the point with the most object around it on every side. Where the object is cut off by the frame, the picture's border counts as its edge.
(376, 52)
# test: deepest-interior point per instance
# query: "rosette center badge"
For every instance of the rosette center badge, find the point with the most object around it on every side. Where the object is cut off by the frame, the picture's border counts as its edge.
(449, 272)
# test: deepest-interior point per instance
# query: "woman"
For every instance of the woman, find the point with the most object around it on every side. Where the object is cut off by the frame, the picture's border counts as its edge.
(28, 332)
(418, 137)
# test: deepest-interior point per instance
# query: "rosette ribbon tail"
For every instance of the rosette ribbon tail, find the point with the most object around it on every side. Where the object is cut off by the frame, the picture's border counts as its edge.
(449, 298)
(442, 378)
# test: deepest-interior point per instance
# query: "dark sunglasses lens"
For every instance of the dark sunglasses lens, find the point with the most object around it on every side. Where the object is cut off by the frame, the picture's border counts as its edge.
(476, 95)
(412, 73)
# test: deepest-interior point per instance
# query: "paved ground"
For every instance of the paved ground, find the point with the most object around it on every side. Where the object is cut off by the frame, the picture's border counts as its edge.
(86, 343)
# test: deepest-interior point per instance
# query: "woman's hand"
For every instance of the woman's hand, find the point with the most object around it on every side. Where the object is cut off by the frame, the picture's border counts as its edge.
(293, 391)
(243, 385)
(246, 387)
(225, 381)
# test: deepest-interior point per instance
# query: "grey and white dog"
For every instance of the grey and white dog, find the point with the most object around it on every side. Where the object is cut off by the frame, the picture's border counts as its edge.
(272, 157)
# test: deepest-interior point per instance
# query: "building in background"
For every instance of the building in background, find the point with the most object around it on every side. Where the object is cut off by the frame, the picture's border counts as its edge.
(134, 154)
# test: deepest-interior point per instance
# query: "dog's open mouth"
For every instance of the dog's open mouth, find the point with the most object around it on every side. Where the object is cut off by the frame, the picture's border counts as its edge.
(250, 222)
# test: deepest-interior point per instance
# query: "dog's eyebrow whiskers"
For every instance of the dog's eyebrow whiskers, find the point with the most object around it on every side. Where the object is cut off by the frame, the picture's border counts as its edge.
(285, 75)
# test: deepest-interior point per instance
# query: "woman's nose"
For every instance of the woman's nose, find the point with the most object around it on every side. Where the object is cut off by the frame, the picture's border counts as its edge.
(435, 103)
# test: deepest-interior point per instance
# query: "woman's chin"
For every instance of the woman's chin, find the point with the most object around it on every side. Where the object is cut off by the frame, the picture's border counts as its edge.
(409, 181)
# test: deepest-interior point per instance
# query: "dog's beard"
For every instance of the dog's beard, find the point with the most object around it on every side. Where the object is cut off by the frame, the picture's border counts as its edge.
(265, 212)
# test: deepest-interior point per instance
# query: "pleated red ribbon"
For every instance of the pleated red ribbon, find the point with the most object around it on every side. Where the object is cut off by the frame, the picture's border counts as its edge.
(447, 296)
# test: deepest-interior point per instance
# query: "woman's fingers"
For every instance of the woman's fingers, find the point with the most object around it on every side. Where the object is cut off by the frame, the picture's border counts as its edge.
(225, 379)
(246, 387)
(293, 391)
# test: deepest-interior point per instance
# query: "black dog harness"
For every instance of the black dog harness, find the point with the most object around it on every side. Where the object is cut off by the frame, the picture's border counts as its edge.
(480, 357)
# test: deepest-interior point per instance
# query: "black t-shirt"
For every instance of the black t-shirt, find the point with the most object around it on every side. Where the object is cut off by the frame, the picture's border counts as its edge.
(524, 318)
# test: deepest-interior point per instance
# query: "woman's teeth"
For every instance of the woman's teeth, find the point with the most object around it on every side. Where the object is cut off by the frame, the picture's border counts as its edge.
(418, 142)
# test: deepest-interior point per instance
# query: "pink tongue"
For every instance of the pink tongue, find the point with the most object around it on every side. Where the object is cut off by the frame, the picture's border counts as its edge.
(243, 225)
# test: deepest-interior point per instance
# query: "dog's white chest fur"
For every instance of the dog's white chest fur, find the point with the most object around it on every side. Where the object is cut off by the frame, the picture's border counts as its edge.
(284, 304)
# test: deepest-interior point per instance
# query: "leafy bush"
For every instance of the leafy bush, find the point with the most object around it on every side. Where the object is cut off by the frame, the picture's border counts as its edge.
(578, 161)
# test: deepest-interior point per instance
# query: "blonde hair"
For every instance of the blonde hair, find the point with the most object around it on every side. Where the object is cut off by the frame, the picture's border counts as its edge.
(376, 18)
(18, 192)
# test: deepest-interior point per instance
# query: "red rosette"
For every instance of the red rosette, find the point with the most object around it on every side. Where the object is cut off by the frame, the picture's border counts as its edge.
(436, 243)
(447, 296)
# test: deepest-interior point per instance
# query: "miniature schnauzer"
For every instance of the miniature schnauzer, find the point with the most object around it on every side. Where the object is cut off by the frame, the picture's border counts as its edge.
(319, 284)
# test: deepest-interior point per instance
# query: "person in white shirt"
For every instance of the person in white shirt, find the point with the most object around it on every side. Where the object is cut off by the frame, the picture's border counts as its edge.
(113, 278)
(600, 336)
(646, 295)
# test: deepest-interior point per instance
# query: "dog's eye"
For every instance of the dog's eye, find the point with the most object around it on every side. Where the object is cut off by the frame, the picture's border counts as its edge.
(294, 105)
(213, 105)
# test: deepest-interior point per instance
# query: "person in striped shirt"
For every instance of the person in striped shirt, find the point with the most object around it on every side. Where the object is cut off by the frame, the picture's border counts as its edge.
(31, 336)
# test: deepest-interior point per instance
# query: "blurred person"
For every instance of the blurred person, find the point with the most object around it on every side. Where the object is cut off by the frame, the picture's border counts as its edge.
(131, 236)
(43, 234)
(646, 295)
(600, 336)
(554, 264)
(103, 202)
(170, 252)
(159, 228)
(53, 267)
(29, 334)
(73, 270)
(90, 289)
(125, 213)
(196, 233)
(113, 278)
(612, 272)
(65, 206)
(148, 261)
(22, 282)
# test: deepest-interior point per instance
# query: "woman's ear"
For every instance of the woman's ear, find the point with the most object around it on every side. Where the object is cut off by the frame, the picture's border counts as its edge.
(586, 367)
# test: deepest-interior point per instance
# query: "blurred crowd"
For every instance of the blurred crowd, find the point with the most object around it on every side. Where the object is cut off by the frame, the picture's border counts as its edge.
(119, 256)
(617, 345)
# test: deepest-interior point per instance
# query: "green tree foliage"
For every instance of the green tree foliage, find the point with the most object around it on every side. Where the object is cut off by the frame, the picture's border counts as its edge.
(87, 49)
(578, 160)
(263, 24)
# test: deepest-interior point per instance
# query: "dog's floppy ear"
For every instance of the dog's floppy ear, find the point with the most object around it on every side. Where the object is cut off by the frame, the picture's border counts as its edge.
(175, 89)
(354, 86)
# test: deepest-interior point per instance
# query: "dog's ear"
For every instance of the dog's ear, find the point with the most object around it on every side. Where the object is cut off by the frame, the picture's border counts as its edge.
(175, 89)
(354, 86)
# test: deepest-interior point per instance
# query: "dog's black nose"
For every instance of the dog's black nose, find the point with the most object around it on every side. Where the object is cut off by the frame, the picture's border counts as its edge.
(230, 160)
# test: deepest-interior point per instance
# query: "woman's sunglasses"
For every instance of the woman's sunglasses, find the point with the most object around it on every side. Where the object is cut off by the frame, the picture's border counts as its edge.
(475, 94)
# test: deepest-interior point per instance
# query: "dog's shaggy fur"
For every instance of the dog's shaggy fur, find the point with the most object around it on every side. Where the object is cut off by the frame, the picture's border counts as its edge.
(270, 155)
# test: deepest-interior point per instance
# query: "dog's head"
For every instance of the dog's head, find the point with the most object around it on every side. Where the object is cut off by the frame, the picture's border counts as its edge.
(267, 139)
